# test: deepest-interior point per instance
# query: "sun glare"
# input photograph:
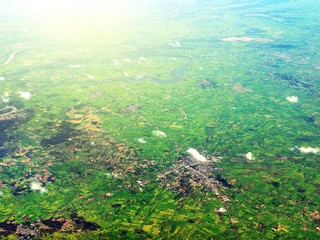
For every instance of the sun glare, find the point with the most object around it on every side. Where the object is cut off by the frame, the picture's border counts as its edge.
(82, 15)
(81, 8)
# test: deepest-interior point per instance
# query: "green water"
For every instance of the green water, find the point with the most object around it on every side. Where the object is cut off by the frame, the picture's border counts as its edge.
(84, 86)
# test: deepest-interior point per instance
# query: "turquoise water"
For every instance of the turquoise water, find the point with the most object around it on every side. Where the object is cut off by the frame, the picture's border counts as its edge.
(177, 119)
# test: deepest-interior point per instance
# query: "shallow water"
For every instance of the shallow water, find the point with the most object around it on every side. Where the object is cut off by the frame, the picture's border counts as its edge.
(90, 85)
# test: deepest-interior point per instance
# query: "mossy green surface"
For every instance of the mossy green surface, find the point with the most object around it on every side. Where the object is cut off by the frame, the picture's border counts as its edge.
(97, 89)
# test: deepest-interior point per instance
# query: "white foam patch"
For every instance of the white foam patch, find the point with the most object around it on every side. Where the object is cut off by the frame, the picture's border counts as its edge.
(25, 95)
(309, 150)
(292, 99)
(196, 155)
(159, 134)
(2, 78)
(249, 156)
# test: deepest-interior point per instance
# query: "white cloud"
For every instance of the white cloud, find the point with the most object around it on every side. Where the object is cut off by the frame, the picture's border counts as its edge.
(196, 155)
(37, 186)
(25, 95)
(292, 99)
(309, 150)
(249, 156)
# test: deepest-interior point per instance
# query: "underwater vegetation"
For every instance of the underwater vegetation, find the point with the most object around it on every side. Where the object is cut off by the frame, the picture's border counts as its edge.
(184, 119)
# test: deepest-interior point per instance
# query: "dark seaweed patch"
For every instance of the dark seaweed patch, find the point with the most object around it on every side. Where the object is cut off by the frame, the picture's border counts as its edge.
(19, 190)
(283, 46)
(11, 124)
(207, 83)
(31, 230)
(254, 31)
(66, 131)
(275, 184)
(310, 119)
(223, 181)
(5, 125)
(116, 205)
(5, 110)
(53, 224)
(80, 223)
(7, 228)
(292, 81)
(3, 152)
